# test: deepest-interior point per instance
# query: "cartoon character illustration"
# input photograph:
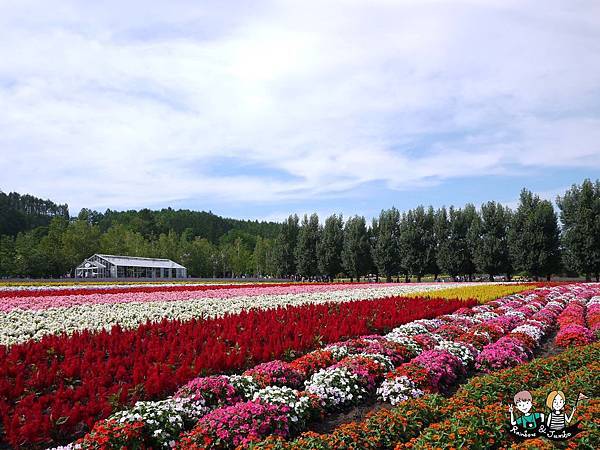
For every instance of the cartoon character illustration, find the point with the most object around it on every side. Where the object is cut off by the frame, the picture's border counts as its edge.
(558, 418)
(524, 403)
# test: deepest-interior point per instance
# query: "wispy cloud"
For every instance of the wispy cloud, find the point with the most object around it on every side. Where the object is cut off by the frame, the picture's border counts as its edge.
(138, 103)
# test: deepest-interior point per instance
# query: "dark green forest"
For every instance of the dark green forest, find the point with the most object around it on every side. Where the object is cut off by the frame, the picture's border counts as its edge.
(39, 238)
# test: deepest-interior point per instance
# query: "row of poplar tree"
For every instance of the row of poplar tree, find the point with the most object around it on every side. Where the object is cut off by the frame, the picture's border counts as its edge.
(456, 241)
(491, 240)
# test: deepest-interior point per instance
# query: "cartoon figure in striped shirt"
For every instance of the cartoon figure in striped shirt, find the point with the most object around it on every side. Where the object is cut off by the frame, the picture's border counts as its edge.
(558, 419)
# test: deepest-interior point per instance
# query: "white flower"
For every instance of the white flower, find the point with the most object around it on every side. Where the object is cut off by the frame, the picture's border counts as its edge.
(398, 389)
(335, 386)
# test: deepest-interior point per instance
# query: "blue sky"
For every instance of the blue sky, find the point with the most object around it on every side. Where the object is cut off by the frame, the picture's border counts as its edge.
(259, 109)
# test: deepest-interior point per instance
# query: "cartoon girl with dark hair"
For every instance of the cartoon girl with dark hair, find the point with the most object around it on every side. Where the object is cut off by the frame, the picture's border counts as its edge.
(558, 418)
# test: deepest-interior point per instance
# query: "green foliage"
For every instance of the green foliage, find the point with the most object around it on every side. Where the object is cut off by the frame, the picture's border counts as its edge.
(309, 236)
(489, 235)
(455, 250)
(534, 237)
(329, 249)
(580, 216)
(38, 239)
(386, 248)
(356, 251)
(20, 213)
(285, 246)
(416, 241)
(7, 255)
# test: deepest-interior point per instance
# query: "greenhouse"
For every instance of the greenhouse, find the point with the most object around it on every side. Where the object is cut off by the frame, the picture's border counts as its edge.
(111, 266)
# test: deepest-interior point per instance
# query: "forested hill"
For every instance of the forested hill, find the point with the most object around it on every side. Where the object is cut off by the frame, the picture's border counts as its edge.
(195, 223)
(20, 213)
(39, 238)
(25, 212)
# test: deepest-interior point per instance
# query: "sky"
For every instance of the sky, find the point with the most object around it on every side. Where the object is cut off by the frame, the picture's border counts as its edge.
(261, 109)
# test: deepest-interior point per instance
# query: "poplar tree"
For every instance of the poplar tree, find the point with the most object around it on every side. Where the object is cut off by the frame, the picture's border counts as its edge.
(329, 250)
(285, 246)
(580, 217)
(356, 253)
(386, 250)
(306, 248)
(490, 235)
(534, 237)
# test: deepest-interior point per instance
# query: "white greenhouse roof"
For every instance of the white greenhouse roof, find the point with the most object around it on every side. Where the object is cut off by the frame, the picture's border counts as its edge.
(89, 264)
(137, 261)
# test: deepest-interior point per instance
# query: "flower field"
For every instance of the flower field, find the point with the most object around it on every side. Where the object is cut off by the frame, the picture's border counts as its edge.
(257, 366)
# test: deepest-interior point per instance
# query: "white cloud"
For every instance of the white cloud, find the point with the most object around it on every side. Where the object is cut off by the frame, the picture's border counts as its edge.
(131, 104)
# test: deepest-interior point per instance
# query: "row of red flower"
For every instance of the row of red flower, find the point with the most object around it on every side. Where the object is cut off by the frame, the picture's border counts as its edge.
(57, 388)
(573, 331)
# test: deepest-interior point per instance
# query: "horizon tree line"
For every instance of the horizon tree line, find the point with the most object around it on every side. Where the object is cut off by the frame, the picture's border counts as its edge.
(460, 242)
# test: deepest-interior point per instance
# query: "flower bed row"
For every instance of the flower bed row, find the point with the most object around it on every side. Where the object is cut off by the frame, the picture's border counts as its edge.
(573, 331)
(435, 370)
(345, 382)
(385, 428)
(483, 292)
(54, 315)
(15, 292)
(53, 389)
(484, 426)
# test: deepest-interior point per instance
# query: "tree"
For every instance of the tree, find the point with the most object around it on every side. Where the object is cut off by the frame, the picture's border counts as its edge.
(198, 258)
(455, 253)
(51, 248)
(29, 260)
(7, 256)
(329, 250)
(441, 227)
(306, 248)
(580, 217)
(239, 258)
(416, 241)
(80, 240)
(386, 250)
(168, 246)
(490, 240)
(285, 246)
(356, 253)
(119, 240)
(263, 257)
(534, 237)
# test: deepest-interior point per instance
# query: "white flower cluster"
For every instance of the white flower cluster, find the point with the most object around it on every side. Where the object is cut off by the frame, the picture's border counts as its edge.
(338, 351)
(164, 419)
(594, 301)
(299, 405)
(336, 386)
(484, 316)
(407, 341)
(430, 324)
(411, 329)
(245, 385)
(532, 331)
(518, 314)
(464, 318)
(461, 351)
(385, 361)
(398, 389)
(436, 337)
